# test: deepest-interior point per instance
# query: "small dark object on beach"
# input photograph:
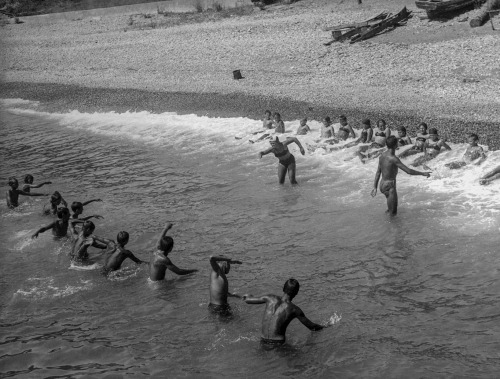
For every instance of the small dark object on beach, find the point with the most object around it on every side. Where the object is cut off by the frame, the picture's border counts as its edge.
(237, 75)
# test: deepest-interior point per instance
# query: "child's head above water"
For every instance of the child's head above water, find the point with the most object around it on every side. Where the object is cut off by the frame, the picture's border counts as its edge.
(381, 124)
(122, 238)
(423, 127)
(268, 113)
(56, 198)
(402, 131)
(225, 267)
(166, 244)
(291, 288)
(13, 182)
(77, 207)
(327, 121)
(63, 213)
(28, 179)
(366, 123)
(303, 122)
(88, 228)
(391, 142)
(473, 139)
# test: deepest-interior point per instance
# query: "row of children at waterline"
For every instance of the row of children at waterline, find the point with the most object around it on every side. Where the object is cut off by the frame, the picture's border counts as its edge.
(279, 311)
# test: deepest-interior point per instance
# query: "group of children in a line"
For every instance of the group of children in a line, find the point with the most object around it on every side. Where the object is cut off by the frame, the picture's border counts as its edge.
(279, 312)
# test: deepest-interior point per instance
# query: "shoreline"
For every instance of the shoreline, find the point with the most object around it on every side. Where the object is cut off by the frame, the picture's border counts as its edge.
(64, 98)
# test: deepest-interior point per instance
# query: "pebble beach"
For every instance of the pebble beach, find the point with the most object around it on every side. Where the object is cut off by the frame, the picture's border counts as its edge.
(442, 72)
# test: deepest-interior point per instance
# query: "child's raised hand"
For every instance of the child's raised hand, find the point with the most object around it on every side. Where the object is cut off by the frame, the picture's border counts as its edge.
(34, 235)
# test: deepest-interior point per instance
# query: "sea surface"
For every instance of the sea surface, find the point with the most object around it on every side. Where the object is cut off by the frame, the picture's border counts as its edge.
(411, 296)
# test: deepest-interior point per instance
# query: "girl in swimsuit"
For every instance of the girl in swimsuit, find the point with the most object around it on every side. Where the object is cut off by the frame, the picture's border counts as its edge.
(419, 142)
(280, 125)
(286, 159)
(432, 148)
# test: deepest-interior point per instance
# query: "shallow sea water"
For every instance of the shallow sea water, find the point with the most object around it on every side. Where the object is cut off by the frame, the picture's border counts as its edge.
(414, 296)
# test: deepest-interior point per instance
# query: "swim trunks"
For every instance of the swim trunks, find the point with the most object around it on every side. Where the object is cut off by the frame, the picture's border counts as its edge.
(220, 309)
(287, 162)
(270, 342)
(386, 185)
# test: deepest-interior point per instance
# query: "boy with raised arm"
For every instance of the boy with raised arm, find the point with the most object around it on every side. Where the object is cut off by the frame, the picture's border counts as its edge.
(12, 195)
(77, 208)
(86, 239)
(159, 262)
(60, 226)
(388, 165)
(219, 287)
(116, 256)
(28, 183)
(279, 312)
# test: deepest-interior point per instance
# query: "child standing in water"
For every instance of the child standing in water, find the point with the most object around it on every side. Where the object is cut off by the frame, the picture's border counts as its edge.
(28, 183)
(159, 262)
(55, 200)
(86, 239)
(77, 208)
(12, 195)
(116, 257)
(286, 159)
(60, 226)
(219, 286)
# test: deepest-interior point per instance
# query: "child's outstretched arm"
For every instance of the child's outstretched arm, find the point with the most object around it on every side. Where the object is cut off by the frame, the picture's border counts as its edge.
(102, 243)
(133, 257)
(21, 192)
(90, 201)
(265, 152)
(289, 140)
(89, 217)
(43, 229)
(37, 185)
(164, 232)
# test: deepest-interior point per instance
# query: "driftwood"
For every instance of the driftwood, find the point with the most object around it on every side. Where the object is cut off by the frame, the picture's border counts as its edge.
(372, 20)
(482, 15)
(363, 30)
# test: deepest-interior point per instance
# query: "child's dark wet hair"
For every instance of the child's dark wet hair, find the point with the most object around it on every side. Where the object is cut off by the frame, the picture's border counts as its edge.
(291, 287)
(381, 121)
(166, 244)
(13, 181)
(402, 129)
(122, 238)
(475, 136)
(276, 114)
(366, 122)
(88, 226)
(391, 142)
(423, 124)
(267, 112)
(343, 117)
(55, 197)
(61, 212)
(433, 131)
(28, 178)
(327, 119)
(76, 205)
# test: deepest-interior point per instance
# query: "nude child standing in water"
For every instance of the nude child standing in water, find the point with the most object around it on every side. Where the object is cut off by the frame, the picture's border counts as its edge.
(388, 165)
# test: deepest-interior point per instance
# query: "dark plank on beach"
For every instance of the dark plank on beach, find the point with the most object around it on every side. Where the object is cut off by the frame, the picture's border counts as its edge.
(392, 21)
(357, 24)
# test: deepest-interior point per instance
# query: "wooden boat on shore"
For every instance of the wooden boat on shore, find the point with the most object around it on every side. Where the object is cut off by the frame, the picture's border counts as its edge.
(440, 7)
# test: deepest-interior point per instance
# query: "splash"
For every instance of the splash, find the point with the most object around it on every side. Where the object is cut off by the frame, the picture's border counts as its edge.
(337, 166)
(44, 288)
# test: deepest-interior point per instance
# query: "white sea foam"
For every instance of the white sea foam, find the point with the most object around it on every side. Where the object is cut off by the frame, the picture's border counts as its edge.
(44, 288)
(232, 135)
